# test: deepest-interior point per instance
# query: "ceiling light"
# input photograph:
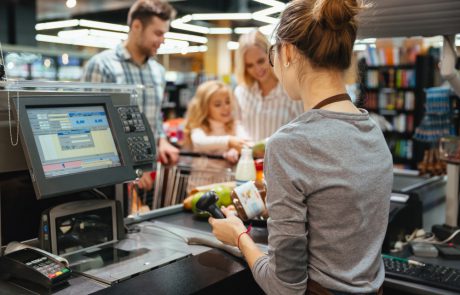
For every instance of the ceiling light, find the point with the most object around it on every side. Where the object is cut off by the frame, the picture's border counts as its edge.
(186, 37)
(47, 63)
(71, 3)
(368, 41)
(57, 24)
(73, 33)
(81, 41)
(177, 24)
(104, 26)
(176, 43)
(264, 18)
(359, 47)
(113, 35)
(92, 32)
(244, 30)
(65, 59)
(271, 10)
(232, 45)
(268, 29)
(221, 16)
(190, 49)
(272, 3)
(220, 31)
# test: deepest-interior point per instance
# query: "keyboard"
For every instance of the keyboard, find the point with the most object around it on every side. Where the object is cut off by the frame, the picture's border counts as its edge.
(426, 274)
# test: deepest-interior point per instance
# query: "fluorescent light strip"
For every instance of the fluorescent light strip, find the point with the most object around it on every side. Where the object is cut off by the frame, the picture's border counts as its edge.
(264, 18)
(178, 24)
(272, 3)
(186, 37)
(244, 30)
(92, 32)
(220, 31)
(175, 43)
(221, 16)
(57, 24)
(103, 25)
(105, 34)
(232, 45)
(91, 41)
(268, 11)
(86, 41)
(190, 49)
(267, 29)
(73, 33)
(359, 47)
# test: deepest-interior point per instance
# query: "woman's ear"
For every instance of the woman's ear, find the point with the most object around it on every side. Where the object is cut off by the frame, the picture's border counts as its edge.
(288, 54)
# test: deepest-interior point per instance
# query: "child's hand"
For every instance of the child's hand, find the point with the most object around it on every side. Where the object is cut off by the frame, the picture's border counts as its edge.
(237, 143)
(231, 156)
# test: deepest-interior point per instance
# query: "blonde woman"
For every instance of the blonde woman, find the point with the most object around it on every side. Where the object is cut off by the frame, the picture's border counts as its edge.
(211, 127)
(263, 104)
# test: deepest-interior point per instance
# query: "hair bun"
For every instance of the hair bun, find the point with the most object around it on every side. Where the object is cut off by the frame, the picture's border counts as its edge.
(335, 14)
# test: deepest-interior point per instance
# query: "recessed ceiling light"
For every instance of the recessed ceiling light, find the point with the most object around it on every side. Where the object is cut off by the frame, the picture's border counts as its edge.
(71, 3)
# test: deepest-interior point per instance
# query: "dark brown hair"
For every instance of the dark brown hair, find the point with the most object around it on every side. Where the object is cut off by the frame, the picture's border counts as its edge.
(323, 31)
(144, 10)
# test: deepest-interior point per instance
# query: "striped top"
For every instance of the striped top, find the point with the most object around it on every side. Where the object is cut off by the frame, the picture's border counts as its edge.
(116, 66)
(262, 116)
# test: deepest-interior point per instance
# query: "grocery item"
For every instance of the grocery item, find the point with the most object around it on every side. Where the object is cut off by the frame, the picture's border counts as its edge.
(245, 169)
(248, 200)
(223, 192)
(258, 150)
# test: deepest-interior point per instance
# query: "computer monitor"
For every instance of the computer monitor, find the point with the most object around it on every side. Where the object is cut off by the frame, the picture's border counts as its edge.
(72, 143)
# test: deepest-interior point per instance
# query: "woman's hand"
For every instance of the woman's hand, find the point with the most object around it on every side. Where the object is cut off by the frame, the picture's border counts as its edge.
(237, 143)
(231, 156)
(227, 230)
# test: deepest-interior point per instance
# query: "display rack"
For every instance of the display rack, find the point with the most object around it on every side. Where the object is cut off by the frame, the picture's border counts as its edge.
(396, 92)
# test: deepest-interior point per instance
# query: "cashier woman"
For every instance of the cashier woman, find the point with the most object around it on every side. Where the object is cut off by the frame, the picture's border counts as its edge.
(329, 171)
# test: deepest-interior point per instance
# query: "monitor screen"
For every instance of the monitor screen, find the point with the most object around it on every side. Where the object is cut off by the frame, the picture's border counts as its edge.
(73, 143)
(73, 139)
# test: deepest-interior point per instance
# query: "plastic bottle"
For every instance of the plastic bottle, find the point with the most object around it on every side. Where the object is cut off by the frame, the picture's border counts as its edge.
(245, 169)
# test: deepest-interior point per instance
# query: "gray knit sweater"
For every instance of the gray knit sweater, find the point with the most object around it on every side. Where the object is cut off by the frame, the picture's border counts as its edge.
(329, 177)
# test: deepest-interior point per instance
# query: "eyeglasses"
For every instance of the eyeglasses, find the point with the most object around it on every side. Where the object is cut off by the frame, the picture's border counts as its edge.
(271, 54)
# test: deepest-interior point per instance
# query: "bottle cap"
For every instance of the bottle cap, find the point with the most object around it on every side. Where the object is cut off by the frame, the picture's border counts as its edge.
(259, 164)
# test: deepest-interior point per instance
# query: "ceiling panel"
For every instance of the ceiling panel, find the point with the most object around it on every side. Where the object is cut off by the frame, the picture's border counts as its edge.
(386, 18)
(406, 18)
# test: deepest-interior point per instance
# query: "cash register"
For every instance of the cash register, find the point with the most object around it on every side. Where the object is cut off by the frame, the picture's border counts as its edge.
(74, 144)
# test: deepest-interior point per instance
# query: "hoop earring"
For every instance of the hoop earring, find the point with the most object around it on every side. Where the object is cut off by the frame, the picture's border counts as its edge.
(286, 65)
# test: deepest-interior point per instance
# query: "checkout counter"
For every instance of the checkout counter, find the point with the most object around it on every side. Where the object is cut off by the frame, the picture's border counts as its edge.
(156, 255)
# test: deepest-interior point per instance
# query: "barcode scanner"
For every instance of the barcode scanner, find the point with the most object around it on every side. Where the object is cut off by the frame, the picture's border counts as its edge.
(207, 203)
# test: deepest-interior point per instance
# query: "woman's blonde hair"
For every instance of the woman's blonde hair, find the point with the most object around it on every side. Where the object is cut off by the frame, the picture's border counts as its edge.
(253, 38)
(198, 109)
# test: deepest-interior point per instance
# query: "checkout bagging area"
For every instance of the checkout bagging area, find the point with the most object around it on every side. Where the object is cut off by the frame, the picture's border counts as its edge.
(71, 222)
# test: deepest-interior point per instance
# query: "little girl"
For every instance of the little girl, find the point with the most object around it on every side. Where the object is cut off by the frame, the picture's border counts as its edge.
(211, 127)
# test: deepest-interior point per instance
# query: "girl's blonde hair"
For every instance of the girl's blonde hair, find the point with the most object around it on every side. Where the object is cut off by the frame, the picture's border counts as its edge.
(198, 109)
(253, 38)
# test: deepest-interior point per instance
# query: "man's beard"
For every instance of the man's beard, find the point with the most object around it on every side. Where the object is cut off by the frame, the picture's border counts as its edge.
(146, 50)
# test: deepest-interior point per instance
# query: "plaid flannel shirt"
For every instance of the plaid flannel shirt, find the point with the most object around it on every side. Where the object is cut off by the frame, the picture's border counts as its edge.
(117, 66)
